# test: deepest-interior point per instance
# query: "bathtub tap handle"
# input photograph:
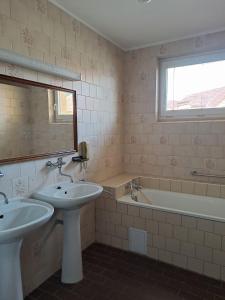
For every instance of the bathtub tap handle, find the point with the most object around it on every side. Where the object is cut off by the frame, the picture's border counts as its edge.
(136, 185)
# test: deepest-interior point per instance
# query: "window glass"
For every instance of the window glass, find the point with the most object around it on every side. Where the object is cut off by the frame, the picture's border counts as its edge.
(192, 90)
(65, 103)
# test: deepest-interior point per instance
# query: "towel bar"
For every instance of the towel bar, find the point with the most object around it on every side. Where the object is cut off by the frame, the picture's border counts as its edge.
(196, 173)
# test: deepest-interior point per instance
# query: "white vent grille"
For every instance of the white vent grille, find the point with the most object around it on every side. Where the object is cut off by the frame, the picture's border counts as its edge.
(137, 241)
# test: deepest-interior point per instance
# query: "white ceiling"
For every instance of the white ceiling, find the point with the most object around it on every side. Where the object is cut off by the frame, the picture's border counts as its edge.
(130, 24)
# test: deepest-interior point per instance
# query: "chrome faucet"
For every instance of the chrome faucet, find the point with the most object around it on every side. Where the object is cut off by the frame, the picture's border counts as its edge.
(58, 164)
(134, 186)
(5, 197)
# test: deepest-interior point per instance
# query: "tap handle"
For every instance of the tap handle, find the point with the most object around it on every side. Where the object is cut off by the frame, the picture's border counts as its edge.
(1, 174)
(60, 161)
(58, 164)
(49, 164)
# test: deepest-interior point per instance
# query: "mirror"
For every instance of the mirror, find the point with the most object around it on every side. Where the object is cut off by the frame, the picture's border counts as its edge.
(36, 120)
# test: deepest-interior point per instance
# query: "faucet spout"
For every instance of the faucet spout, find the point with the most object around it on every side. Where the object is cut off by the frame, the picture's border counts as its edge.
(58, 164)
(65, 175)
(5, 197)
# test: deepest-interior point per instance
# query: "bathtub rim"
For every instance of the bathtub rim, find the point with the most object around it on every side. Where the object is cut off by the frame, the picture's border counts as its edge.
(170, 210)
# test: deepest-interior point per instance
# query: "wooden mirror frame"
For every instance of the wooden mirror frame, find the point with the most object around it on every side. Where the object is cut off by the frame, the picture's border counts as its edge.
(49, 154)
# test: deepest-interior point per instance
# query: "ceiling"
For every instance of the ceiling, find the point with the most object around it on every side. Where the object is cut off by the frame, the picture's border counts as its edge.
(130, 25)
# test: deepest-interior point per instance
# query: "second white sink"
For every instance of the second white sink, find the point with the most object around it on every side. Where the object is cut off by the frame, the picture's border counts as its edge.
(66, 195)
(70, 197)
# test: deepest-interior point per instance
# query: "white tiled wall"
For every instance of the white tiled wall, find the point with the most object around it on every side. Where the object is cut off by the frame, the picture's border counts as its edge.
(40, 30)
(168, 149)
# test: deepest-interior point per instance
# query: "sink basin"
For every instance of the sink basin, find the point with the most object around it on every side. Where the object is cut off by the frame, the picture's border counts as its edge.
(68, 195)
(22, 216)
(18, 218)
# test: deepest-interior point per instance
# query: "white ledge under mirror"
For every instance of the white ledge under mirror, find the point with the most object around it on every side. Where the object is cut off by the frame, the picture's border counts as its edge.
(14, 58)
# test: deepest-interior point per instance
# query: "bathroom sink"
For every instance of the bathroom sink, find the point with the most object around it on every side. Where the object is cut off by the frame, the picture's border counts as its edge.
(17, 219)
(68, 195)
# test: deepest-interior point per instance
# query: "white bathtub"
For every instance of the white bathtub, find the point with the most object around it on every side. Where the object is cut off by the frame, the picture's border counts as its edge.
(185, 204)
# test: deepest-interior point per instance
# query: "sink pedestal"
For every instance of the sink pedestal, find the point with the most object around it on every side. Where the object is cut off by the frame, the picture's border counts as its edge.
(70, 197)
(10, 283)
(72, 259)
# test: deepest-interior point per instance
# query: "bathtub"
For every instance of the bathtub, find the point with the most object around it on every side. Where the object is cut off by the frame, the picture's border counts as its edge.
(186, 204)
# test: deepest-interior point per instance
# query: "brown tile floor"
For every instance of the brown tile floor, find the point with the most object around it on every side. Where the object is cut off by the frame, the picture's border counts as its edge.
(112, 274)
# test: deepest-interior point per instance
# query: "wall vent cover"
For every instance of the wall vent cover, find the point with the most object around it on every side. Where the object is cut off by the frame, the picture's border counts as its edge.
(137, 241)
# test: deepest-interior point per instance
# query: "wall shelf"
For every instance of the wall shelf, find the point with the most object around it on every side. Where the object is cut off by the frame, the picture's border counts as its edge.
(79, 159)
(14, 58)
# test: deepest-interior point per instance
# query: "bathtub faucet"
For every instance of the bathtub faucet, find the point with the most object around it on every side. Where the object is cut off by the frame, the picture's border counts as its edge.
(134, 187)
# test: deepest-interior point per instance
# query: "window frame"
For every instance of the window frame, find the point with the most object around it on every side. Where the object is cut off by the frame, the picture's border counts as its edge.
(59, 118)
(186, 114)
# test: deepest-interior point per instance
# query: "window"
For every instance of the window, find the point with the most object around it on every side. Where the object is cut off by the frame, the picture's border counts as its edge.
(63, 106)
(192, 87)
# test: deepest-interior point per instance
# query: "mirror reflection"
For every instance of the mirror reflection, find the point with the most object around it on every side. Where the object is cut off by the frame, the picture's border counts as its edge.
(35, 120)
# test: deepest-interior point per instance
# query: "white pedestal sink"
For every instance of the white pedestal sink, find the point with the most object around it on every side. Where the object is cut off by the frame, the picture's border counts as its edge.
(70, 197)
(18, 218)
